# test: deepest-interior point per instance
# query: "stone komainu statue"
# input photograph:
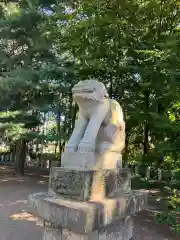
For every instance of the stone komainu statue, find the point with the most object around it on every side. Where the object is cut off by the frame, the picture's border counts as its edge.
(100, 126)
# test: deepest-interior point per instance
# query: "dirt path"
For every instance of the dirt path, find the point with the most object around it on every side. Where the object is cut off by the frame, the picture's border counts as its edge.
(17, 224)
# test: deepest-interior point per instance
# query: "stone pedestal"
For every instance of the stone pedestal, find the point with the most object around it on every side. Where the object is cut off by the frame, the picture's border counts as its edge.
(88, 204)
(120, 230)
(83, 184)
(90, 160)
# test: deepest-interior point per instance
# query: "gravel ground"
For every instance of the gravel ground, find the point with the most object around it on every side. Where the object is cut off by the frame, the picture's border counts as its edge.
(17, 224)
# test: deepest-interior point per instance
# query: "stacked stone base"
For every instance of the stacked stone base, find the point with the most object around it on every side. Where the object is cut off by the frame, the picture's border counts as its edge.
(88, 204)
(121, 230)
(70, 220)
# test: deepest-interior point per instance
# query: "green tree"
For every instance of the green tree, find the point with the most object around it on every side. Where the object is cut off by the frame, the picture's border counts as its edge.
(131, 46)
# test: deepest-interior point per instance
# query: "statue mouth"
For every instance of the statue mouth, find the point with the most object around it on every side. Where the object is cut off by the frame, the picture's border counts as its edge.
(86, 93)
(85, 97)
(82, 91)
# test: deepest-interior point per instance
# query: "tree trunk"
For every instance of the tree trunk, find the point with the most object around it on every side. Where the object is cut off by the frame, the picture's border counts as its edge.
(13, 152)
(58, 126)
(55, 148)
(146, 140)
(21, 149)
(146, 126)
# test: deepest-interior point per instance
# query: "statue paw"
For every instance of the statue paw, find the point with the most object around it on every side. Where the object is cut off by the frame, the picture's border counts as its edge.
(85, 147)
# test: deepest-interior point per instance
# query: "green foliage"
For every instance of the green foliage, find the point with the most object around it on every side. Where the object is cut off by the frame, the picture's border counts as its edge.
(176, 229)
(131, 46)
(166, 218)
(138, 182)
(170, 216)
(176, 174)
(174, 200)
(170, 219)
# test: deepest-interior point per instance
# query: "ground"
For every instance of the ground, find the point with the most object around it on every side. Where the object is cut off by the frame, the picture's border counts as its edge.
(17, 224)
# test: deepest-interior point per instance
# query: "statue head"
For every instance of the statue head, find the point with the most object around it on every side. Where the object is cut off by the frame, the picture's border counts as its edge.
(89, 90)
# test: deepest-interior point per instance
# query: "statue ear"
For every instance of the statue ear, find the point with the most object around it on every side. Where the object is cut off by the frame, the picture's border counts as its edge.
(105, 93)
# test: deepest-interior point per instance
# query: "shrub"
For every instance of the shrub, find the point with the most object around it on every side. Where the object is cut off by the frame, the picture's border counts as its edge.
(176, 174)
(170, 216)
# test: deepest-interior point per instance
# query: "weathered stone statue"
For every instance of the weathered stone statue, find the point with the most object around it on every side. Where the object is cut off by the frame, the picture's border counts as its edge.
(99, 134)
(90, 196)
(100, 126)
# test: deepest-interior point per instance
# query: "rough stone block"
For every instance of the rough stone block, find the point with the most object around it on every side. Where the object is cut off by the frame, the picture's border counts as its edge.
(72, 184)
(76, 160)
(90, 160)
(77, 184)
(117, 182)
(120, 230)
(85, 217)
(51, 233)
